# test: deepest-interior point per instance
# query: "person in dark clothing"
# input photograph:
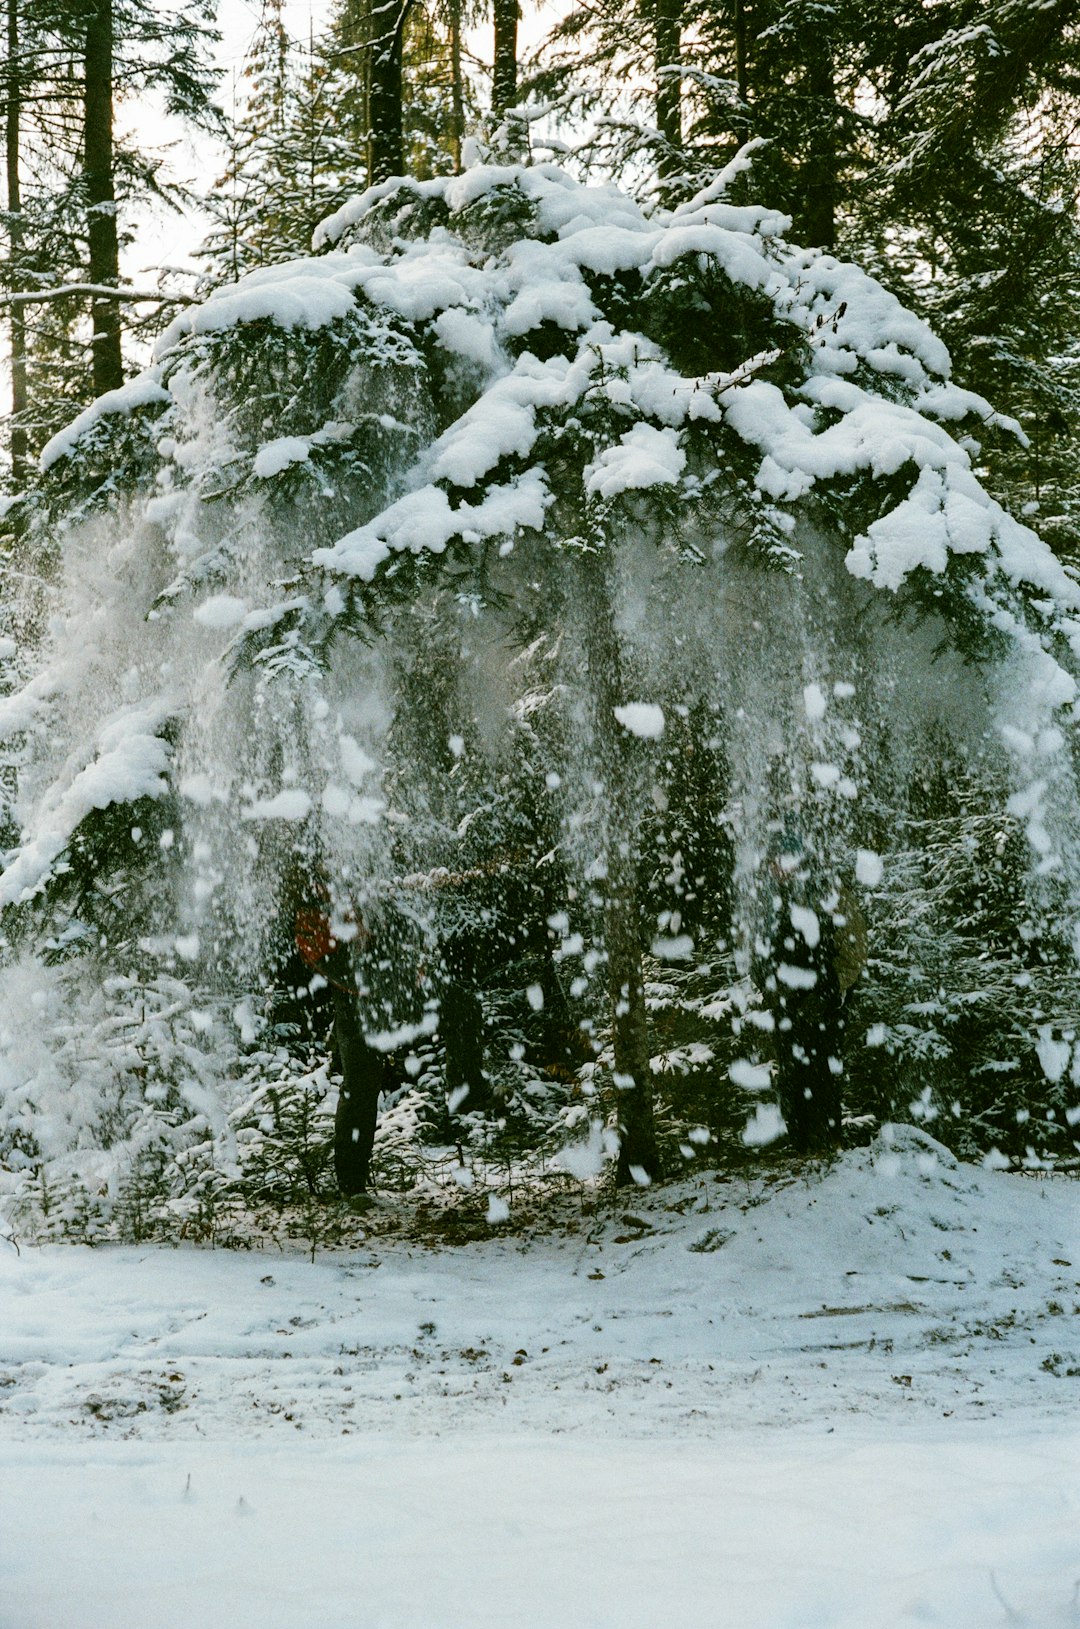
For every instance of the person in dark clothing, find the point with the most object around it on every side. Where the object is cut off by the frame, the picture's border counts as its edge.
(363, 1068)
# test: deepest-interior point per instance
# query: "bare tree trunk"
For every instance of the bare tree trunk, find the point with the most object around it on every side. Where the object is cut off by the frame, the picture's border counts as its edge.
(386, 141)
(19, 440)
(623, 927)
(457, 86)
(741, 76)
(104, 268)
(821, 184)
(312, 97)
(504, 68)
(668, 37)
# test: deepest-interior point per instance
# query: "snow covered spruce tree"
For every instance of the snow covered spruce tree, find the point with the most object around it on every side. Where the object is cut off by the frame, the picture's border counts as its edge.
(392, 573)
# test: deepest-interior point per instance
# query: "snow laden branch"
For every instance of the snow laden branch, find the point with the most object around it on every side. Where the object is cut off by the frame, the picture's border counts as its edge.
(97, 291)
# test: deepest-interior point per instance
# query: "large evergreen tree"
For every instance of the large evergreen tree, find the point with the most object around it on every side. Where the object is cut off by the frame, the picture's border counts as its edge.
(646, 456)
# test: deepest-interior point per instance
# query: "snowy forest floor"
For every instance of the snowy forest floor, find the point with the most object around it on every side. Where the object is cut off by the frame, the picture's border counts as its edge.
(843, 1396)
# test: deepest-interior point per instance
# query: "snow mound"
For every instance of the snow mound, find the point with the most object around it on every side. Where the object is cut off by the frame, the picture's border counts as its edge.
(904, 1143)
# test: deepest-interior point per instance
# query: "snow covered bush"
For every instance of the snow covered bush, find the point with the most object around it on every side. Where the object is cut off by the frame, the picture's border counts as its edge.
(399, 577)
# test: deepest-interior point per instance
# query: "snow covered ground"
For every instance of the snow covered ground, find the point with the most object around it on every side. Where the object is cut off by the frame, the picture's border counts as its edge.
(844, 1398)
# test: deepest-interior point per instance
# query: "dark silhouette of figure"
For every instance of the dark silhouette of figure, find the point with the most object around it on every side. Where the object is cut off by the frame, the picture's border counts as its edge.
(363, 1068)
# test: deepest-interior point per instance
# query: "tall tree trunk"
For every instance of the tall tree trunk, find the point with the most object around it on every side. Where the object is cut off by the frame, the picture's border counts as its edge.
(108, 367)
(311, 99)
(820, 174)
(461, 1028)
(504, 68)
(624, 938)
(19, 441)
(741, 76)
(668, 37)
(457, 86)
(386, 141)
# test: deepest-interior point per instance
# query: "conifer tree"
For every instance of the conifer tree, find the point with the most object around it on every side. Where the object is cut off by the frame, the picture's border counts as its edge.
(302, 138)
(496, 413)
(295, 143)
(435, 96)
(981, 168)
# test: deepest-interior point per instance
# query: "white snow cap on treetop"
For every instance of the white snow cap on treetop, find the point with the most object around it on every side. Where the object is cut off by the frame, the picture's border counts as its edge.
(872, 401)
(861, 334)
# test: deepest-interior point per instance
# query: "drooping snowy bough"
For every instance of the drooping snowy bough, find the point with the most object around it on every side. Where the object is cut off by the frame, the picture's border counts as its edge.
(410, 579)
